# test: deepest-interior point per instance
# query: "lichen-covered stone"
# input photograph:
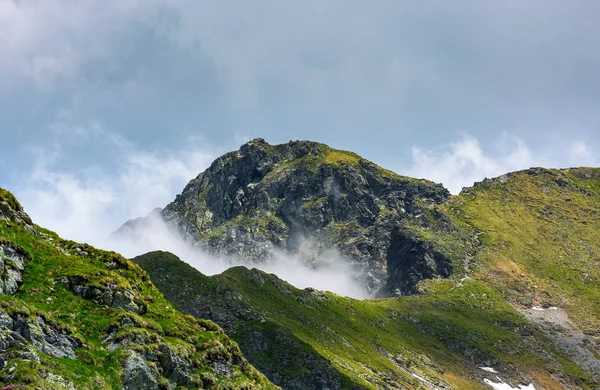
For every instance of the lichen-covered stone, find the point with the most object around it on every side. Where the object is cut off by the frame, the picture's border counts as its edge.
(12, 280)
(125, 299)
(134, 338)
(57, 380)
(138, 375)
(15, 346)
(176, 369)
(8, 252)
(12, 263)
(6, 321)
(11, 210)
(45, 337)
(109, 294)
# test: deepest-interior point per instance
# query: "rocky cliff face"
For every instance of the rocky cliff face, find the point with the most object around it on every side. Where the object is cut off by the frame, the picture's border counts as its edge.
(305, 198)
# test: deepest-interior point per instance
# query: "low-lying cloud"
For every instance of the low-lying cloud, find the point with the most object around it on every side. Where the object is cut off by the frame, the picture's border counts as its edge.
(333, 273)
(88, 202)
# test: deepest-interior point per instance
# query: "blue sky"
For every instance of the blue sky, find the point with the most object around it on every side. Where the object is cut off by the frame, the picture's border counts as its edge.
(107, 108)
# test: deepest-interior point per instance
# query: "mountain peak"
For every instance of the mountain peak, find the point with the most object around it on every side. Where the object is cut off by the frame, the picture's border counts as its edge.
(309, 200)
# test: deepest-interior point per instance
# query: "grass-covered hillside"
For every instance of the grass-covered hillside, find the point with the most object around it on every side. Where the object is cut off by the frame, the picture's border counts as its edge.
(505, 280)
(309, 339)
(74, 317)
(540, 234)
(523, 300)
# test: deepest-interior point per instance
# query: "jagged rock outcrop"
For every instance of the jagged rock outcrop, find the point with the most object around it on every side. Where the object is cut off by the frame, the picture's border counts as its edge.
(411, 260)
(305, 198)
(46, 338)
(12, 264)
(24, 339)
(109, 294)
(138, 375)
(176, 369)
(12, 344)
(11, 210)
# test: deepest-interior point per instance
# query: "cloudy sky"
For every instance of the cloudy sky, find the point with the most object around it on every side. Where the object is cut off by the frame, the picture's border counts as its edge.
(107, 108)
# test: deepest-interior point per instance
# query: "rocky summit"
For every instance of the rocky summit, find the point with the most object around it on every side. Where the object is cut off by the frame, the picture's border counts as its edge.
(307, 199)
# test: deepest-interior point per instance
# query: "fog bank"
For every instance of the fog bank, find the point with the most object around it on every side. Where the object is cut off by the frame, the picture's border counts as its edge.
(333, 272)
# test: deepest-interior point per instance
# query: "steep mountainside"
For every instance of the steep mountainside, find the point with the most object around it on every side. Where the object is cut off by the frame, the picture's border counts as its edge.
(506, 274)
(306, 198)
(307, 339)
(524, 301)
(74, 317)
(540, 234)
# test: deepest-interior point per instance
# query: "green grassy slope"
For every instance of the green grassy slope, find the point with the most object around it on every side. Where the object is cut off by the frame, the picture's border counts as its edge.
(442, 335)
(540, 238)
(61, 283)
(536, 246)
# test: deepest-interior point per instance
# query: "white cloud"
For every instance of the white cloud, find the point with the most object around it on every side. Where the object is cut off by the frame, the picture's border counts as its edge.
(46, 40)
(333, 273)
(88, 202)
(463, 162)
(307, 48)
(580, 152)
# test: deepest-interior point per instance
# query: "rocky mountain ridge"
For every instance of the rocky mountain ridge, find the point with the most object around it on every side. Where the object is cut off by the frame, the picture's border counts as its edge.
(306, 199)
(525, 307)
(520, 303)
(510, 265)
